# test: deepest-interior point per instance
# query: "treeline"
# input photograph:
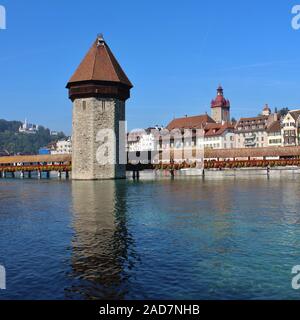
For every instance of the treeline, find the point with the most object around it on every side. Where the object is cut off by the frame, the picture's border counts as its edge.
(21, 143)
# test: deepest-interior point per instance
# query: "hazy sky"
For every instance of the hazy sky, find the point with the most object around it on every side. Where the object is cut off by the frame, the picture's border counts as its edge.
(175, 53)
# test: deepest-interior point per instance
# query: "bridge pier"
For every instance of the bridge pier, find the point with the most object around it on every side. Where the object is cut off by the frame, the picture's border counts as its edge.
(29, 174)
(59, 174)
(48, 174)
(172, 172)
(22, 174)
(39, 174)
(67, 175)
(136, 174)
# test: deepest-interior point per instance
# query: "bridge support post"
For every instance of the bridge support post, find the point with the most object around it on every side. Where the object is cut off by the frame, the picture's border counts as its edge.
(59, 174)
(22, 174)
(3, 174)
(48, 174)
(29, 174)
(12, 174)
(39, 174)
(67, 175)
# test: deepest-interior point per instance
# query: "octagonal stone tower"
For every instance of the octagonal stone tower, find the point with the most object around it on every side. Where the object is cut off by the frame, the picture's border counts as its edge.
(98, 90)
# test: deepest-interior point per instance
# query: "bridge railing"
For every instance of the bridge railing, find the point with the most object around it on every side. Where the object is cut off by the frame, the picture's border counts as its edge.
(35, 167)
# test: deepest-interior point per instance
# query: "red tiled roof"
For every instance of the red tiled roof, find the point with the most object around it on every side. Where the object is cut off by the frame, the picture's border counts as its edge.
(295, 114)
(274, 127)
(220, 101)
(195, 122)
(100, 64)
(254, 118)
(217, 129)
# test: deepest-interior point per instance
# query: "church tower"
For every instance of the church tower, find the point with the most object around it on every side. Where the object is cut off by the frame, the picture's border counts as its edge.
(98, 90)
(220, 107)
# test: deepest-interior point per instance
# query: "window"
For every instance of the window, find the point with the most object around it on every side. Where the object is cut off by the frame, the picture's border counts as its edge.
(275, 141)
(83, 105)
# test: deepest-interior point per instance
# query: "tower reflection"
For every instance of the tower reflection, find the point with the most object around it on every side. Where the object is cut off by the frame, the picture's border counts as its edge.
(101, 241)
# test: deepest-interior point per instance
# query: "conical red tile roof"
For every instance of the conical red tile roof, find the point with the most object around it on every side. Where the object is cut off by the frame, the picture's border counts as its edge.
(100, 64)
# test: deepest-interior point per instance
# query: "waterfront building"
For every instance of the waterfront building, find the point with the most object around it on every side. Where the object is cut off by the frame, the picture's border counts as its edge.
(28, 128)
(274, 134)
(194, 124)
(143, 139)
(218, 131)
(63, 146)
(252, 132)
(98, 90)
(219, 136)
(291, 128)
(206, 132)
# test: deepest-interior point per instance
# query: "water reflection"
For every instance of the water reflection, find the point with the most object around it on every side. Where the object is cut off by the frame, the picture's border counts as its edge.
(101, 242)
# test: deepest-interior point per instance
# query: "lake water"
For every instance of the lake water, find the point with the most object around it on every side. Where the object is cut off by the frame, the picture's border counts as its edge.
(186, 238)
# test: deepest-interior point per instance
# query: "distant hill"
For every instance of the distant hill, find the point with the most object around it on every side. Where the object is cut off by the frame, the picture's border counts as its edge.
(21, 143)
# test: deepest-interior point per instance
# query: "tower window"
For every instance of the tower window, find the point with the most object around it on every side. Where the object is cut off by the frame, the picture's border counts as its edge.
(83, 105)
(103, 105)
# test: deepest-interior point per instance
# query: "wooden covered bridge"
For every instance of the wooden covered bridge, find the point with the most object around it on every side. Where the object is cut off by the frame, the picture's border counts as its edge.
(42, 165)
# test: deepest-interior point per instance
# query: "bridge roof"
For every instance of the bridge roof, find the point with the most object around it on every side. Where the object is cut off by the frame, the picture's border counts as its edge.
(253, 152)
(36, 158)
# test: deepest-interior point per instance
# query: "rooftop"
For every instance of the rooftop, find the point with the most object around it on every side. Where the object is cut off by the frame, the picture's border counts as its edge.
(99, 64)
(194, 122)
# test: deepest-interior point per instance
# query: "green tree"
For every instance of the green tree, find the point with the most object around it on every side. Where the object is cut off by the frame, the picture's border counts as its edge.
(15, 142)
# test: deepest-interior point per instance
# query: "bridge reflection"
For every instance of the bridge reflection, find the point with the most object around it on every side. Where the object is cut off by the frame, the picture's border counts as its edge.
(101, 242)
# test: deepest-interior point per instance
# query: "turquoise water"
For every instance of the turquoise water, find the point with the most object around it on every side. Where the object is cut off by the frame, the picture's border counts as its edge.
(183, 239)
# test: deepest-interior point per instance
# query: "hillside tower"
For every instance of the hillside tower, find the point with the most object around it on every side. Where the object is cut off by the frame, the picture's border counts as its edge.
(98, 89)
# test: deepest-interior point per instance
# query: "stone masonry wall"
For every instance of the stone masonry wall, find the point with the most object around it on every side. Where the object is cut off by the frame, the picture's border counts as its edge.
(92, 145)
(216, 114)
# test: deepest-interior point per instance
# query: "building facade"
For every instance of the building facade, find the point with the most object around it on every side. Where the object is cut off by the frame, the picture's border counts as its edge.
(253, 132)
(143, 140)
(219, 136)
(290, 131)
(274, 134)
(63, 146)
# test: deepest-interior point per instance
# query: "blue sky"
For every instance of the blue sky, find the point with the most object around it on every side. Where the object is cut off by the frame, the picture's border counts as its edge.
(175, 53)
